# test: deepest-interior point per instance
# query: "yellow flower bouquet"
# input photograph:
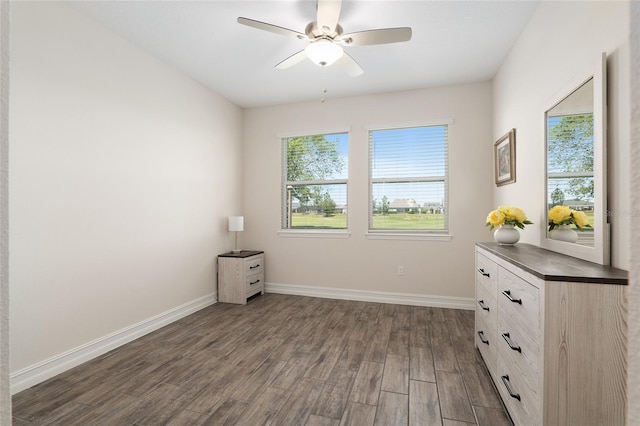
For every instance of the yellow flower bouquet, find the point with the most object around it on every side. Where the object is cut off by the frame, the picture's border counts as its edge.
(564, 215)
(507, 215)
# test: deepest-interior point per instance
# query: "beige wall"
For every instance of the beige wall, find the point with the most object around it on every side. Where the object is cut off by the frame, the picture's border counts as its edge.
(634, 291)
(432, 268)
(557, 45)
(5, 397)
(123, 172)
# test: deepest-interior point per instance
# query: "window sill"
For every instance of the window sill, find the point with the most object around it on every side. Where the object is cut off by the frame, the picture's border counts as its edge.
(408, 237)
(314, 233)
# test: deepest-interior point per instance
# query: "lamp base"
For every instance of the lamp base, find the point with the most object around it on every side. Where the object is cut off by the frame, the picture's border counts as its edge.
(236, 251)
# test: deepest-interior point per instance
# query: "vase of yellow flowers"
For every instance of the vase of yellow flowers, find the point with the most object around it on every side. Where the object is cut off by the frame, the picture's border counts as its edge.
(505, 219)
(561, 219)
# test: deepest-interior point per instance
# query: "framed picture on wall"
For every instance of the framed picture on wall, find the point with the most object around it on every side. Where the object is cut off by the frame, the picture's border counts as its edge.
(504, 158)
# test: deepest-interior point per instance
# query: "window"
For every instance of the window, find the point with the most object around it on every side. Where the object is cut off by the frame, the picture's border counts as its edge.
(408, 180)
(314, 181)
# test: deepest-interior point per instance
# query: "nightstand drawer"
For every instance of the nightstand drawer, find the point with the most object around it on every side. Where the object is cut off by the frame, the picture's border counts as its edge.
(255, 265)
(254, 284)
(254, 281)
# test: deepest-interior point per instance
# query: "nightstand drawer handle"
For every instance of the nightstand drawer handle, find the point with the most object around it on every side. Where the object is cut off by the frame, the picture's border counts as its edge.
(505, 380)
(507, 293)
(254, 267)
(483, 306)
(482, 339)
(255, 282)
(486, 274)
(507, 338)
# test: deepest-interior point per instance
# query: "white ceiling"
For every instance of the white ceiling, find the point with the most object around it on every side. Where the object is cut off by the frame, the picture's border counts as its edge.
(453, 42)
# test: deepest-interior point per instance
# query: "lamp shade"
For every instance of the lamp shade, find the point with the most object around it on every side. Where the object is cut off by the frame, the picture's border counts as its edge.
(236, 223)
(323, 52)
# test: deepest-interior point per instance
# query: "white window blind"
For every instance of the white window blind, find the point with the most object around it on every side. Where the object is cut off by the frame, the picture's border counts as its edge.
(408, 179)
(314, 181)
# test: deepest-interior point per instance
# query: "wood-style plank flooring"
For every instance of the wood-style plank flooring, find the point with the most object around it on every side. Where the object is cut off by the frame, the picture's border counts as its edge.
(282, 360)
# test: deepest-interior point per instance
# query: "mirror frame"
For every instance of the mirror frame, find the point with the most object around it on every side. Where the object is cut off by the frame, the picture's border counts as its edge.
(599, 253)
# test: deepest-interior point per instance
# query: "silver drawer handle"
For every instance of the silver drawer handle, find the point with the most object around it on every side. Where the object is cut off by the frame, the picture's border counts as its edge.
(486, 274)
(254, 267)
(507, 293)
(255, 282)
(505, 380)
(507, 338)
(483, 306)
(482, 339)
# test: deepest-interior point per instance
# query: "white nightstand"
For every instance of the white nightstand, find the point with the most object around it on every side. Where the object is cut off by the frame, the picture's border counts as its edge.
(240, 276)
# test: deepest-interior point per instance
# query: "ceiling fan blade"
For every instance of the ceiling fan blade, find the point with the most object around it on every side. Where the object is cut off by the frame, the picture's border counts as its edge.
(328, 15)
(349, 65)
(381, 36)
(292, 60)
(271, 28)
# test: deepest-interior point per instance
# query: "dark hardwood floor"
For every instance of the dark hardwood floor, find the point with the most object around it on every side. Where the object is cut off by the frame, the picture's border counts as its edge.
(281, 360)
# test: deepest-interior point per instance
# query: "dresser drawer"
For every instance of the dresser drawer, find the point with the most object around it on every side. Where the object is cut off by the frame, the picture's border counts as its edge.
(254, 265)
(519, 350)
(521, 400)
(487, 273)
(486, 342)
(521, 301)
(486, 307)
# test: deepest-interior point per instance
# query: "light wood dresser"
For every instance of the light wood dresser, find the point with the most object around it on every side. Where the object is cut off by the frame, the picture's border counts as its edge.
(552, 331)
(240, 276)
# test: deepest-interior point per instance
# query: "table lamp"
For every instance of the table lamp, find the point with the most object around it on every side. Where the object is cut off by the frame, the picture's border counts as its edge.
(236, 224)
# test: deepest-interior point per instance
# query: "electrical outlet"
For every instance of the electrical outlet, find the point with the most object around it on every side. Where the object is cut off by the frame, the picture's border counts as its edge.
(400, 270)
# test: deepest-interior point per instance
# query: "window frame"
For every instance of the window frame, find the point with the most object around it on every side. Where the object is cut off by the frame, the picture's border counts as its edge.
(287, 231)
(410, 234)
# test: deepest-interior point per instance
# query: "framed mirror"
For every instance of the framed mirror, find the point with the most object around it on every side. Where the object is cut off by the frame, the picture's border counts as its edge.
(575, 203)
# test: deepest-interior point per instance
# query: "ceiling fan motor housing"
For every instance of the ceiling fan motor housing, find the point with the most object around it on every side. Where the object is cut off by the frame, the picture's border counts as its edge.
(314, 32)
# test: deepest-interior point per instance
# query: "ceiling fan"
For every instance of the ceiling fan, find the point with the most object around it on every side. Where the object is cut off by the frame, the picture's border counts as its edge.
(326, 38)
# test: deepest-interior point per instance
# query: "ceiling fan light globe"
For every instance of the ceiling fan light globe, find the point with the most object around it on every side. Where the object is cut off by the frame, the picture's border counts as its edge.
(323, 52)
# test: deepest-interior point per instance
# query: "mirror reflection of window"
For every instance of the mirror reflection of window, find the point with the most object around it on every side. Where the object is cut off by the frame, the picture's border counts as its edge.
(570, 156)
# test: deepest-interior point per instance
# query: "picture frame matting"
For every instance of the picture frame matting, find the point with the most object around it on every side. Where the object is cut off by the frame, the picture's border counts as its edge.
(504, 158)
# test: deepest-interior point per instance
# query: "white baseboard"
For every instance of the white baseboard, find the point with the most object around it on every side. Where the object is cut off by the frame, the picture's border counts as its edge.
(373, 296)
(48, 368)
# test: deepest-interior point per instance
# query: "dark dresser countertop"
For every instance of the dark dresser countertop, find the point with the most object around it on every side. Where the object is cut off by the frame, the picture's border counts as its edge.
(552, 266)
(241, 254)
